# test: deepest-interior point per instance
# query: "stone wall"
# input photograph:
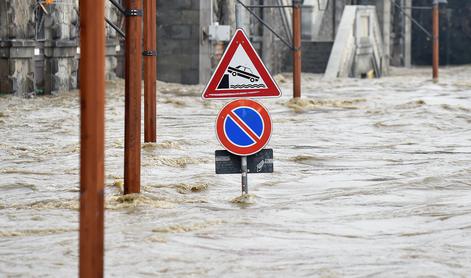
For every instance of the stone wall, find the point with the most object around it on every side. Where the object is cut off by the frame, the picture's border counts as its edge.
(16, 47)
(46, 62)
(60, 47)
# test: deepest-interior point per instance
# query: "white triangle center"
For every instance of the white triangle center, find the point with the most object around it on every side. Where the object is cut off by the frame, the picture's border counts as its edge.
(242, 72)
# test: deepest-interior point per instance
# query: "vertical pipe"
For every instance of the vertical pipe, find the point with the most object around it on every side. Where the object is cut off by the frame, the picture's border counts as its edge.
(386, 36)
(243, 17)
(447, 43)
(334, 19)
(150, 71)
(243, 159)
(436, 35)
(297, 49)
(92, 137)
(408, 34)
(132, 114)
(245, 186)
(238, 15)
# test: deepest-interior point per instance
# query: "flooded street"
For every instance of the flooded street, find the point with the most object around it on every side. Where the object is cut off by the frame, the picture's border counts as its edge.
(372, 178)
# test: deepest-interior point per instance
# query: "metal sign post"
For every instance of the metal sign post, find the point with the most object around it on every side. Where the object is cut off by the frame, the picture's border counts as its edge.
(245, 185)
(150, 71)
(436, 37)
(238, 15)
(92, 138)
(297, 48)
(132, 115)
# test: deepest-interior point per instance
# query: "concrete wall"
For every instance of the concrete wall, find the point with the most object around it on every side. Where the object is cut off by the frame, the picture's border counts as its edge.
(321, 22)
(180, 41)
(358, 46)
(315, 57)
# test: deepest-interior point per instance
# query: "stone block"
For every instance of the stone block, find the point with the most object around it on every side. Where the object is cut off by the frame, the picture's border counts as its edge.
(178, 32)
(190, 77)
(60, 49)
(175, 4)
(16, 76)
(17, 49)
(170, 75)
(176, 47)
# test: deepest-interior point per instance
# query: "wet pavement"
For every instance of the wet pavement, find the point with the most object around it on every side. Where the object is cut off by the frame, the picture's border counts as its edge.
(372, 179)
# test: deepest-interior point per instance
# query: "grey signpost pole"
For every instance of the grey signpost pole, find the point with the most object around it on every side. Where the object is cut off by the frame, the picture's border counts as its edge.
(245, 186)
(243, 17)
(238, 15)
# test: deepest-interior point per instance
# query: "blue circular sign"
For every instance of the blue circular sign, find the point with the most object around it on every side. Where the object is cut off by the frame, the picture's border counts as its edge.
(243, 127)
(236, 134)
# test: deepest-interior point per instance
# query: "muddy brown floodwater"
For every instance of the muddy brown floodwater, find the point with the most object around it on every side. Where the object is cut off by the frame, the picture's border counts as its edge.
(372, 179)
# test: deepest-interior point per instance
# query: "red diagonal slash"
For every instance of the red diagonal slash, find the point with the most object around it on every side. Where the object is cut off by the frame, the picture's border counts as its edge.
(244, 127)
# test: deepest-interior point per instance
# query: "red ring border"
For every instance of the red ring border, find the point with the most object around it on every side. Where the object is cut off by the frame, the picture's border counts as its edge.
(266, 134)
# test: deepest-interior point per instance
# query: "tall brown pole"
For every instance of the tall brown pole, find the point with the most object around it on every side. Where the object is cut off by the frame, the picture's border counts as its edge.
(92, 137)
(132, 114)
(150, 71)
(436, 36)
(297, 48)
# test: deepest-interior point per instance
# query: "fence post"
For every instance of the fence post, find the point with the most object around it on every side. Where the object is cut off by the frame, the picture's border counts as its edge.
(297, 48)
(92, 137)
(436, 37)
(150, 71)
(132, 114)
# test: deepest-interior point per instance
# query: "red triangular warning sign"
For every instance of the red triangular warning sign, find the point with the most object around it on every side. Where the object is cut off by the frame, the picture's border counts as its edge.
(241, 73)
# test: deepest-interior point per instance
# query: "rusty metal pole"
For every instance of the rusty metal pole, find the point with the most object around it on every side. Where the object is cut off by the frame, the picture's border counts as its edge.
(297, 48)
(436, 36)
(150, 71)
(132, 114)
(92, 137)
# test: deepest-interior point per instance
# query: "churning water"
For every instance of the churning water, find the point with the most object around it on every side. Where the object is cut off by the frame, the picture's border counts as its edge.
(372, 178)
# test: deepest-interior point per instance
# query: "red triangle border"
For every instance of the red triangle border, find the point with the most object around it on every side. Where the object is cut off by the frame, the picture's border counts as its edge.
(211, 91)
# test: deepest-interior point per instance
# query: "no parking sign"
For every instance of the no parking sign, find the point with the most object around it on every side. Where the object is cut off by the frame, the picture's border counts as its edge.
(243, 127)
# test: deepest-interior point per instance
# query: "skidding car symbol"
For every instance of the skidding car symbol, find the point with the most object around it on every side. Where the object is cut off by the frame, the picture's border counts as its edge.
(244, 72)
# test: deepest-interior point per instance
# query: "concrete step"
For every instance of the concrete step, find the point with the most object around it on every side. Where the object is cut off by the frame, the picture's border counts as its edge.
(315, 57)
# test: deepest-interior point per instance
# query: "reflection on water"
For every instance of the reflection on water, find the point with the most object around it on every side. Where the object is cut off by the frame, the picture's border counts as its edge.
(372, 178)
